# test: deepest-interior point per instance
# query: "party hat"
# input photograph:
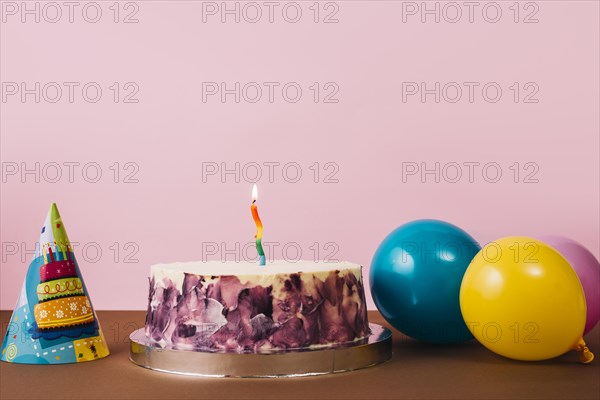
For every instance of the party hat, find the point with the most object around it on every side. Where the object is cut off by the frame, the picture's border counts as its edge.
(54, 321)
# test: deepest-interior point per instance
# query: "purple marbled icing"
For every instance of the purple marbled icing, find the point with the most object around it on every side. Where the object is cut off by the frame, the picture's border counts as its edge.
(226, 314)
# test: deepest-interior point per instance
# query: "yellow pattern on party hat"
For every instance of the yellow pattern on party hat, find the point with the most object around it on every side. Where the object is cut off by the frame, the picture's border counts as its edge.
(54, 321)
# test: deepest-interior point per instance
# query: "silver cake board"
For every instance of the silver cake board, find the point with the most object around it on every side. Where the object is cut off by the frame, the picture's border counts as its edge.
(373, 350)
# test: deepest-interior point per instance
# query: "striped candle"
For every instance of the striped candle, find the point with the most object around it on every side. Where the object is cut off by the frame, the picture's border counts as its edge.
(259, 227)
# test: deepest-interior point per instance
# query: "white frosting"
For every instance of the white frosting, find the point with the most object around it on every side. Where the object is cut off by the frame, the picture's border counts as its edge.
(252, 268)
(247, 271)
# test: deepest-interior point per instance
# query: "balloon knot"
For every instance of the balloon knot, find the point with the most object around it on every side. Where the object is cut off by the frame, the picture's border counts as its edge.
(585, 355)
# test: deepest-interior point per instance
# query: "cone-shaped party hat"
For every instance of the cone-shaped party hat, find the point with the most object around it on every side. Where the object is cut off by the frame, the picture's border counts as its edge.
(54, 321)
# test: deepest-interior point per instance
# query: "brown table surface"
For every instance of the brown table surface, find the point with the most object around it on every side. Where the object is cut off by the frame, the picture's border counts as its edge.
(416, 371)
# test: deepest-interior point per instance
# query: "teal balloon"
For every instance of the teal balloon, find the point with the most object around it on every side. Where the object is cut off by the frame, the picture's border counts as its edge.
(415, 278)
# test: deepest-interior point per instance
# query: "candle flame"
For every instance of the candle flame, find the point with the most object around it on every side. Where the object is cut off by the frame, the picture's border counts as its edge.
(254, 193)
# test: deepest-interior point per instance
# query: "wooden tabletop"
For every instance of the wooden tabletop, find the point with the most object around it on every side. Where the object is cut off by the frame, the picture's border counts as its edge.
(417, 370)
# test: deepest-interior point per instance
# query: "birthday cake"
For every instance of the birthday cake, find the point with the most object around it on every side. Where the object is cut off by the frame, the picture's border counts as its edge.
(62, 302)
(241, 307)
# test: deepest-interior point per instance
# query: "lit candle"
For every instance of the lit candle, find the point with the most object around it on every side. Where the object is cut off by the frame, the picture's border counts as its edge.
(259, 227)
(44, 254)
(50, 252)
(62, 249)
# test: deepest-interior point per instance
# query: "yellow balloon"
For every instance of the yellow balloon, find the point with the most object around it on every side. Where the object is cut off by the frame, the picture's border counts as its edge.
(521, 299)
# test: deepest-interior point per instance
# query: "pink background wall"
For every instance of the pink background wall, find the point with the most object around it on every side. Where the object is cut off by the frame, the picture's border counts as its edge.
(369, 135)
